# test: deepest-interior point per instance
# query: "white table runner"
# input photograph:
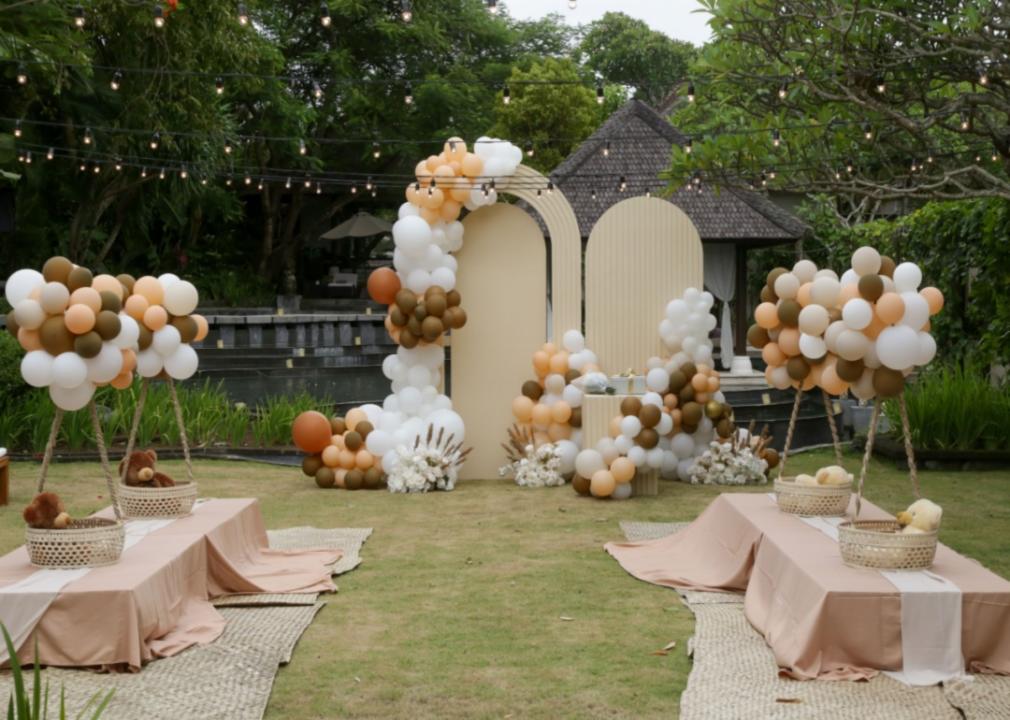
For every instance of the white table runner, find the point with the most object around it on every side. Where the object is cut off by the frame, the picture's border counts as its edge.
(930, 619)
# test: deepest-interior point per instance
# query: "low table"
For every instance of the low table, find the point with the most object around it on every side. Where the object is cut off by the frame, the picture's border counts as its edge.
(821, 618)
(155, 601)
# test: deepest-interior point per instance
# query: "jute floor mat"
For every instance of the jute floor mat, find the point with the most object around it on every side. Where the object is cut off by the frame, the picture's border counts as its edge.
(735, 674)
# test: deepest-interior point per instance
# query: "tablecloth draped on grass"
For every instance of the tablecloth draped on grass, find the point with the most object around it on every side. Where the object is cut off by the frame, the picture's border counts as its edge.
(155, 601)
(821, 618)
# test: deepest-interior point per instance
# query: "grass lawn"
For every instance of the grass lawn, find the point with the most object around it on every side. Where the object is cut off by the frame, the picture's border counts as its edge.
(456, 611)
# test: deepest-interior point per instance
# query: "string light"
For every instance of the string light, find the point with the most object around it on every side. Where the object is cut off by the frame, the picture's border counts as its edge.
(28, 158)
(88, 137)
(354, 189)
(287, 184)
(22, 75)
(308, 181)
(689, 146)
(867, 131)
(690, 92)
(203, 181)
(849, 166)
(324, 15)
(161, 174)
(776, 137)
(50, 153)
(606, 149)
(184, 173)
(406, 11)
(376, 150)
(529, 149)
(506, 95)
(408, 95)
(317, 90)
(771, 173)
(492, 6)
(622, 185)
(881, 86)
(219, 85)
(592, 193)
(369, 184)
(119, 164)
(117, 79)
(155, 141)
(143, 172)
(159, 16)
(929, 159)
(995, 157)
(260, 185)
(319, 189)
(983, 77)
(82, 167)
(227, 147)
(79, 17)
(648, 192)
(96, 169)
(764, 180)
(965, 120)
(572, 4)
(248, 180)
(783, 91)
(599, 93)
(243, 15)
(550, 187)
(302, 150)
(17, 129)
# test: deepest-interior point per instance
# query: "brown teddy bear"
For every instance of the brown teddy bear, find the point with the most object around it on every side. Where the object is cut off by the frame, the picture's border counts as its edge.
(46, 511)
(141, 473)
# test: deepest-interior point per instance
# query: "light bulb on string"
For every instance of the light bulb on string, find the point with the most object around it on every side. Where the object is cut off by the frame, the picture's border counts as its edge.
(248, 180)
(317, 90)
(308, 181)
(599, 93)
(376, 150)
(408, 95)
(689, 146)
(354, 189)
(406, 11)
(771, 173)
(116, 82)
(369, 184)
(622, 185)
(287, 184)
(17, 128)
(97, 169)
(184, 173)
(22, 75)
(82, 167)
(228, 181)
(995, 157)
(302, 150)
(783, 91)
(506, 95)
(929, 159)
(849, 166)
(28, 158)
(161, 174)
(592, 193)
(978, 159)
(648, 192)
(550, 187)
(492, 6)
(50, 153)
(606, 149)
(838, 175)
(219, 85)
(965, 120)
(867, 131)
(983, 77)
(79, 17)
(159, 16)
(319, 189)
(776, 137)
(154, 141)
(324, 15)
(260, 185)
(881, 86)
(227, 147)
(764, 180)
(243, 15)
(492, 183)
(88, 137)
(119, 164)
(143, 172)
(374, 192)
(529, 149)
(203, 181)
(690, 92)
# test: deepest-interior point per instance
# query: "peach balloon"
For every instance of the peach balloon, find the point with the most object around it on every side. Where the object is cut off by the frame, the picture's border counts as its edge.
(340, 478)
(875, 327)
(432, 198)
(107, 283)
(346, 459)
(136, 306)
(830, 381)
(413, 194)
(848, 292)
(338, 441)
(559, 362)
(421, 172)
(807, 383)
(150, 288)
(155, 318)
(602, 484)
(123, 380)
(541, 415)
(614, 427)
(450, 210)
(433, 162)
(460, 193)
(803, 294)
(522, 408)
(87, 296)
(701, 398)
(472, 165)
(766, 315)
(670, 401)
(455, 149)
(561, 412)
(353, 417)
(622, 469)
(129, 360)
(933, 298)
(331, 456)
(363, 459)
(889, 308)
(79, 319)
(429, 215)
(29, 339)
(541, 363)
(559, 431)
(713, 384)
(699, 382)
(444, 176)
(789, 341)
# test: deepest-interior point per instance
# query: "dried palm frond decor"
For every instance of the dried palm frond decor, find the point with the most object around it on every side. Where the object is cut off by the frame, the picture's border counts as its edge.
(531, 465)
(431, 464)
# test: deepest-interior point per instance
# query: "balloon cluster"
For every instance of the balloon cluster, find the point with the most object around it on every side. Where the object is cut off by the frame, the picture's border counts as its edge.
(82, 331)
(423, 320)
(338, 450)
(863, 332)
(550, 406)
(686, 326)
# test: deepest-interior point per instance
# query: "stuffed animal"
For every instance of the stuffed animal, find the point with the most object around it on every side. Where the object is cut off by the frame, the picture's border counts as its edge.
(804, 479)
(833, 475)
(922, 516)
(46, 512)
(140, 471)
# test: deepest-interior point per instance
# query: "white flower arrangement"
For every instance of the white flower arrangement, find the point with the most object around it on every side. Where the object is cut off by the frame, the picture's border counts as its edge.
(537, 467)
(429, 465)
(728, 463)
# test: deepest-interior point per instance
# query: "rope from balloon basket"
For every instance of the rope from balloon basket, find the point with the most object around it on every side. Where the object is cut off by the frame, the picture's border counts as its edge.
(870, 437)
(789, 432)
(909, 451)
(182, 428)
(47, 456)
(104, 456)
(834, 428)
(134, 426)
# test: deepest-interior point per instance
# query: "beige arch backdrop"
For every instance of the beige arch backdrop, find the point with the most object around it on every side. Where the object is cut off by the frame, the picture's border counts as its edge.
(503, 280)
(642, 253)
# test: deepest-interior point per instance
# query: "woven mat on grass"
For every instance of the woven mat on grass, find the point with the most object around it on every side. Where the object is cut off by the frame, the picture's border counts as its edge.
(349, 540)
(735, 674)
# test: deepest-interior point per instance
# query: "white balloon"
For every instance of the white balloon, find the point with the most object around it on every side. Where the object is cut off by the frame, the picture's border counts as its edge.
(408, 210)
(812, 346)
(621, 492)
(573, 341)
(432, 258)
(684, 469)
(149, 363)
(21, 284)
(129, 332)
(916, 310)
(623, 444)
(786, 286)
(805, 270)
(71, 399)
(418, 376)
(637, 455)
(682, 445)
(444, 278)
(182, 364)
(907, 277)
(831, 335)
(653, 398)
(657, 380)
(418, 280)
(390, 460)
(866, 261)
(588, 462)
(106, 365)
(849, 277)
(568, 451)
(29, 314)
(851, 344)
(69, 370)
(410, 400)
(665, 424)
(37, 368)
(572, 395)
(826, 272)
(898, 347)
(927, 349)
(631, 426)
(554, 383)
(857, 314)
(824, 291)
(654, 458)
(379, 442)
(54, 297)
(167, 279)
(676, 310)
(814, 319)
(450, 421)
(166, 340)
(411, 234)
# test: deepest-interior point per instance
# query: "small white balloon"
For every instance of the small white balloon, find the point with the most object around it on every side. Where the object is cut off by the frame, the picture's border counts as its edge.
(786, 286)
(166, 340)
(37, 368)
(805, 270)
(129, 332)
(657, 380)
(568, 452)
(444, 278)
(573, 341)
(69, 370)
(631, 426)
(588, 462)
(182, 364)
(29, 314)
(106, 365)
(927, 349)
(907, 277)
(637, 455)
(898, 347)
(866, 261)
(849, 277)
(54, 297)
(71, 399)
(21, 284)
(857, 314)
(916, 310)
(812, 346)
(621, 492)
(149, 363)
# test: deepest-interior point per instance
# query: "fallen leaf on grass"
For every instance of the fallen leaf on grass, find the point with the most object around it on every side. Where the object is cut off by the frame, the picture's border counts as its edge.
(788, 700)
(566, 618)
(666, 649)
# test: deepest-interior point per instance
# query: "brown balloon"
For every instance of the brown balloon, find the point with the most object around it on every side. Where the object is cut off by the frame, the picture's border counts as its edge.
(436, 304)
(363, 428)
(677, 381)
(834, 315)
(688, 429)
(888, 382)
(771, 457)
(686, 395)
(397, 316)
(648, 438)
(337, 426)
(580, 485)
(12, 324)
(311, 465)
(57, 269)
(532, 390)
(571, 376)
(354, 479)
(774, 275)
(797, 367)
(453, 298)
(789, 313)
(406, 300)
(768, 295)
(871, 287)
(650, 416)
(408, 339)
(88, 345)
(887, 266)
(691, 414)
(458, 318)
(689, 369)
(55, 337)
(714, 409)
(724, 428)
(757, 336)
(187, 328)
(325, 477)
(432, 328)
(127, 281)
(421, 311)
(849, 370)
(108, 325)
(111, 301)
(414, 325)
(353, 441)
(373, 478)
(145, 338)
(576, 419)
(79, 277)
(630, 406)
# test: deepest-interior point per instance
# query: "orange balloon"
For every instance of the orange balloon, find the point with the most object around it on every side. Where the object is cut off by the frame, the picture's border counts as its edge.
(933, 298)
(472, 165)
(847, 293)
(29, 339)
(460, 193)
(338, 441)
(129, 360)
(699, 382)
(340, 478)
(450, 210)
(559, 362)
(202, 327)
(713, 384)
(136, 306)
(430, 216)
(433, 198)
(766, 315)
(331, 456)
(522, 408)
(433, 162)
(150, 288)
(803, 294)
(889, 308)
(88, 297)
(541, 415)
(541, 363)
(383, 284)
(156, 317)
(346, 459)
(549, 348)
(363, 459)
(614, 428)
(107, 283)
(541, 438)
(875, 327)
(830, 381)
(79, 319)
(602, 484)
(311, 431)
(444, 176)
(422, 172)
(561, 412)
(669, 401)
(413, 195)
(353, 417)
(789, 341)
(622, 469)
(123, 380)
(701, 398)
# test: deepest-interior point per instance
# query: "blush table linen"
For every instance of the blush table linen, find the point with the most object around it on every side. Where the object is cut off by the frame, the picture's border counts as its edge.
(155, 601)
(821, 618)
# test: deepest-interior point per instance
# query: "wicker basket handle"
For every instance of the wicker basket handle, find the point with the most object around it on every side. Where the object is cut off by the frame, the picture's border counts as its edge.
(789, 432)
(47, 456)
(829, 411)
(909, 451)
(871, 436)
(134, 426)
(104, 457)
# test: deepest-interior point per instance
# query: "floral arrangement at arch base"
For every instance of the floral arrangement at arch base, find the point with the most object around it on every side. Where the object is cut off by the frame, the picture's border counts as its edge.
(532, 464)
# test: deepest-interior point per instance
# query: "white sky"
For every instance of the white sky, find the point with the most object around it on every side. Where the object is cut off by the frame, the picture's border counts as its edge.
(676, 18)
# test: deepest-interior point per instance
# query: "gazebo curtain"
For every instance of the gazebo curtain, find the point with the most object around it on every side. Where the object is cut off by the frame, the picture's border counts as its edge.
(720, 279)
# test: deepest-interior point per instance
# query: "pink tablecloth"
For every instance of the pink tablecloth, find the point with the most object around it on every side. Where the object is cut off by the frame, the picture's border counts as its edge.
(155, 601)
(820, 617)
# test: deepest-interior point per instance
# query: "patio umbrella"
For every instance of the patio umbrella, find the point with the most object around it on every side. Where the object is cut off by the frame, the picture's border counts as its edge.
(363, 224)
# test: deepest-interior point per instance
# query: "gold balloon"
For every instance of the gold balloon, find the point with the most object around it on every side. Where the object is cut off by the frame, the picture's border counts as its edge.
(128, 281)
(580, 485)
(373, 478)
(774, 275)
(187, 327)
(713, 409)
(436, 305)
(363, 427)
(677, 381)
(849, 370)
(408, 339)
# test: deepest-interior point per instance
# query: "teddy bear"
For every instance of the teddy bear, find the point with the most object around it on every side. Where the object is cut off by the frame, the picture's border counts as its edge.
(833, 475)
(922, 516)
(140, 470)
(807, 480)
(46, 512)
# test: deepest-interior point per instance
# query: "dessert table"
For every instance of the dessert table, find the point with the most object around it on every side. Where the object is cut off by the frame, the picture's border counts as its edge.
(155, 601)
(821, 618)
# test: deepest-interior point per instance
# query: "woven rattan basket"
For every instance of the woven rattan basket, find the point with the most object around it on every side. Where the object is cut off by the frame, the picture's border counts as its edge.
(157, 502)
(812, 500)
(90, 542)
(879, 544)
